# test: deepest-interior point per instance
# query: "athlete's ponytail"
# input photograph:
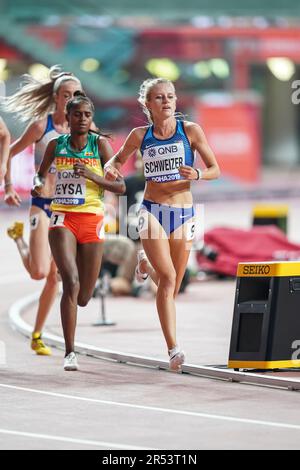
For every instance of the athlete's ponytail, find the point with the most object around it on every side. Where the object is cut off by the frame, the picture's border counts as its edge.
(34, 99)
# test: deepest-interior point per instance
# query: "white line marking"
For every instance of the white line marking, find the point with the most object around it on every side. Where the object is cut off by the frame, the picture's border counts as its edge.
(157, 409)
(109, 445)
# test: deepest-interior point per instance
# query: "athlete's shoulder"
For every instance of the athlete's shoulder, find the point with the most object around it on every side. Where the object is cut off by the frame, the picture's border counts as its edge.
(51, 146)
(138, 133)
(141, 128)
(193, 130)
(55, 140)
(190, 125)
(34, 131)
(60, 141)
(61, 138)
(38, 127)
(104, 145)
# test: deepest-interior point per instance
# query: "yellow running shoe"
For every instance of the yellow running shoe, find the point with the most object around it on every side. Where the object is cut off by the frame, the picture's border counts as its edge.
(16, 230)
(38, 345)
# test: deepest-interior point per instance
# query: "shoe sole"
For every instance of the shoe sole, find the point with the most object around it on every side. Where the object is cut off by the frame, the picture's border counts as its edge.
(42, 353)
(71, 368)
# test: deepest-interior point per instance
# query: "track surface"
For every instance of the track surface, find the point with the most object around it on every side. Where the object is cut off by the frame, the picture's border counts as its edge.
(113, 406)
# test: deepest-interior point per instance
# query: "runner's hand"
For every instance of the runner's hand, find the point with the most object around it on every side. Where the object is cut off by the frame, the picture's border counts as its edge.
(36, 191)
(11, 197)
(80, 169)
(188, 172)
(111, 173)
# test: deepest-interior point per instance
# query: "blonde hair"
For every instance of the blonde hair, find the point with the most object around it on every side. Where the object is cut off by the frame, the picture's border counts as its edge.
(145, 92)
(34, 100)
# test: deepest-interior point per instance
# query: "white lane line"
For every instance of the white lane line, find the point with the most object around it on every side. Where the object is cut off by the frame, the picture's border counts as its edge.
(232, 419)
(108, 445)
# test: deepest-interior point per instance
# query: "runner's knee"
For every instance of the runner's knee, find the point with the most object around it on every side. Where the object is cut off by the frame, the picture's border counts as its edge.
(71, 285)
(52, 278)
(38, 273)
(168, 280)
(83, 299)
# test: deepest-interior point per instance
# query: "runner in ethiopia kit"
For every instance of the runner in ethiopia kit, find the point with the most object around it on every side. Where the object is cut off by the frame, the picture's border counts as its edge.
(43, 104)
(76, 225)
(166, 219)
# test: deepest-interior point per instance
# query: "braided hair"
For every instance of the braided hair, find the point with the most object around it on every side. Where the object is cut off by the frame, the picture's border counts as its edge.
(79, 98)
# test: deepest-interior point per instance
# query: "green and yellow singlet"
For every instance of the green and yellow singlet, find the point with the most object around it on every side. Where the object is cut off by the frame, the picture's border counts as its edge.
(73, 193)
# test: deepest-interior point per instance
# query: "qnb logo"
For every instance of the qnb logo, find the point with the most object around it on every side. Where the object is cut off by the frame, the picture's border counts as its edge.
(263, 270)
(152, 152)
(296, 93)
(168, 150)
(2, 354)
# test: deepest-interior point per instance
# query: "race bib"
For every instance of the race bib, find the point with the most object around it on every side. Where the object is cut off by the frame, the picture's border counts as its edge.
(70, 189)
(143, 220)
(161, 163)
(34, 221)
(57, 220)
(190, 231)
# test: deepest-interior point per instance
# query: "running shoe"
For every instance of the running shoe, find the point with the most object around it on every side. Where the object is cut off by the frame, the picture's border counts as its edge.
(140, 277)
(70, 362)
(38, 345)
(177, 358)
(16, 230)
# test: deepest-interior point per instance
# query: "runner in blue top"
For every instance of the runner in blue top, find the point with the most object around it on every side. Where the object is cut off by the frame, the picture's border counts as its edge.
(166, 219)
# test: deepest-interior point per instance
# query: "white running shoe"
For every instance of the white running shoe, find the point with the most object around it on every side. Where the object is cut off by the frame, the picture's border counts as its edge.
(70, 362)
(140, 277)
(177, 358)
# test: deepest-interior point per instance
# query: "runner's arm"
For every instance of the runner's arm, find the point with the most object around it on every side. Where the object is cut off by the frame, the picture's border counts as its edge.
(32, 134)
(199, 143)
(39, 179)
(130, 146)
(117, 186)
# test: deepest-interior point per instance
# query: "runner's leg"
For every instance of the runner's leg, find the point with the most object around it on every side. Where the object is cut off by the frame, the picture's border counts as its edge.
(89, 257)
(64, 249)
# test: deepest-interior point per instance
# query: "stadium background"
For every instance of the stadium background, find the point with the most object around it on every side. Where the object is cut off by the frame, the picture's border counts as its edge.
(233, 65)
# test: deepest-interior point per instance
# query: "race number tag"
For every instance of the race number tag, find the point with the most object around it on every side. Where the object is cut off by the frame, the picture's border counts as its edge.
(57, 220)
(34, 221)
(161, 162)
(143, 220)
(70, 188)
(190, 231)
